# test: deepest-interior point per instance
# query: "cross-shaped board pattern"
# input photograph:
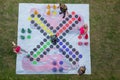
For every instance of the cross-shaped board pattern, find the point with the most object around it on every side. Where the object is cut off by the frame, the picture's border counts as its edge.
(53, 43)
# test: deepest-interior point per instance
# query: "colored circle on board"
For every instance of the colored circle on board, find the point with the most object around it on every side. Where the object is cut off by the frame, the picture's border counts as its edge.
(60, 43)
(54, 63)
(67, 56)
(61, 69)
(64, 46)
(35, 24)
(44, 33)
(48, 24)
(70, 52)
(38, 59)
(34, 49)
(41, 56)
(31, 52)
(73, 62)
(44, 52)
(54, 69)
(80, 56)
(69, 16)
(67, 49)
(32, 15)
(73, 56)
(73, 13)
(57, 28)
(61, 50)
(61, 62)
(66, 19)
(77, 59)
(76, 52)
(32, 21)
(38, 15)
(70, 59)
(31, 59)
(28, 37)
(38, 46)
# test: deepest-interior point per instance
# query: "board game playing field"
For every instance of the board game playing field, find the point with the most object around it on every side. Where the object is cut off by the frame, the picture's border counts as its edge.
(53, 43)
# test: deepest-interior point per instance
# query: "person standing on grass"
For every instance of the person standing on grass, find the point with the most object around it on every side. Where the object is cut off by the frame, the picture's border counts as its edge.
(63, 9)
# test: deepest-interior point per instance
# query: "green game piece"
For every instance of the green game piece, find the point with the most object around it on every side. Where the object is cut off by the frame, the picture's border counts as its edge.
(22, 37)
(34, 62)
(29, 31)
(35, 55)
(28, 37)
(23, 30)
(45, 46)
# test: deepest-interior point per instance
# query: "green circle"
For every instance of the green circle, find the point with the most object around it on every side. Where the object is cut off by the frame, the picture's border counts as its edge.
(41, 49)
(48, 43)
(28, 37)
(38, 52)
(35, 55)
(34, 62)
(45, 46)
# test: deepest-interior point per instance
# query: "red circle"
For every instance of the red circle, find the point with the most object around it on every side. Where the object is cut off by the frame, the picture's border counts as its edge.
(70, 22)
(67, 25)
(57, 34)
(79, 37)
(73, 13)
(80, 43)
(73, 19)
(64, 28)
(86, 43)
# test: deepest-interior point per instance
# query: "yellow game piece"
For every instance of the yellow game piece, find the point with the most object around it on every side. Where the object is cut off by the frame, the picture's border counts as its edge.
(48, 12)
(54, 6)
(35, 12)
(48, 6)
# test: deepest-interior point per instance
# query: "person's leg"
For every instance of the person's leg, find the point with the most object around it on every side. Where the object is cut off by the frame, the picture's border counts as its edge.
(64, 13)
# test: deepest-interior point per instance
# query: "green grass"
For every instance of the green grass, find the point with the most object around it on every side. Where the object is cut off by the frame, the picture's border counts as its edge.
(105, 37)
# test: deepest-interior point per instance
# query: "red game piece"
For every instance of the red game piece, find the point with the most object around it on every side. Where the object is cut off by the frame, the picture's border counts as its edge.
(86, 36)
(80, 43)
(79, 19)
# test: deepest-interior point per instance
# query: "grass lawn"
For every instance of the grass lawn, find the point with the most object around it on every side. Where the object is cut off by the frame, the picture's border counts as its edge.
(105, 37)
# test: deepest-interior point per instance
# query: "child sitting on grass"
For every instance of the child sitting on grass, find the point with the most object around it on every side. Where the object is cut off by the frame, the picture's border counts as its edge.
(17, 49)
